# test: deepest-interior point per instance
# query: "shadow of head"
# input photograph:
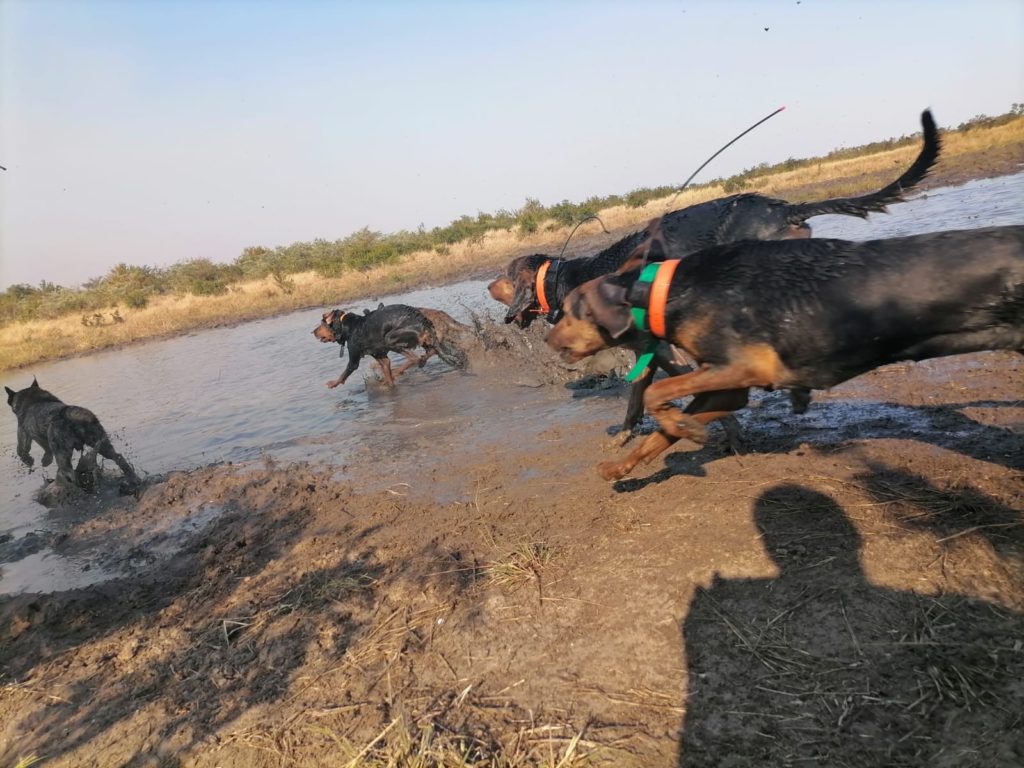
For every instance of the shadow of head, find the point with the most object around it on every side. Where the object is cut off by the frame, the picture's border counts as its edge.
(802, 527)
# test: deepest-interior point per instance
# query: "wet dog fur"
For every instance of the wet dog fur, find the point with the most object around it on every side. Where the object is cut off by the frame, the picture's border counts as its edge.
(747, 216)
(61, 429)
(743, 216)
(805, 314)
(392, 328)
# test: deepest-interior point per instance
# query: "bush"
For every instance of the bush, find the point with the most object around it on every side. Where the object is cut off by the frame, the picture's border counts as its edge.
(136, 300)
(201, 277)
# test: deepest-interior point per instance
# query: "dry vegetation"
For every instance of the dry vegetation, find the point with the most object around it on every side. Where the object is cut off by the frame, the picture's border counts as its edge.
(22, 343)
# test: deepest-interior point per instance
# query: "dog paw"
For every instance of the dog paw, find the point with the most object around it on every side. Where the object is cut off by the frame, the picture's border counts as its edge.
(27, 460)
(333, 383)
(691, 429)
(47, 459)
(611, 470)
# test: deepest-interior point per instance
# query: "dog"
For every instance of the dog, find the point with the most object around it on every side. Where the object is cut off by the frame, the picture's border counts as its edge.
(61, 429)
(804, 314)
(393, 328)
(536, 285)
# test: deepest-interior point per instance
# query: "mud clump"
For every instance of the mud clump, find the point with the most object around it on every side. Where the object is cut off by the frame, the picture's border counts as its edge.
(497, 347)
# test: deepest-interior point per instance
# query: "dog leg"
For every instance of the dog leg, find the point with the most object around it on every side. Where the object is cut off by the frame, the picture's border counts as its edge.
(385, 367)
(65, 471)
(635, 409)
(86, 473)
(739, 375)
(800, 399)
(25, 445)
(691, 424)
(106, 450)
(353, 363)
(410, 361)
(653, 444)
(670, 359)
(62, 445)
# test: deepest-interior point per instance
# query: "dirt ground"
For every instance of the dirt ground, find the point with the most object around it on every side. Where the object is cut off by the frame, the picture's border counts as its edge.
(849, 591)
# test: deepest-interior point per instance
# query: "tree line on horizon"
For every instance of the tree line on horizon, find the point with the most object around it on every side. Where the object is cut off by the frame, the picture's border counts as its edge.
(134, 286)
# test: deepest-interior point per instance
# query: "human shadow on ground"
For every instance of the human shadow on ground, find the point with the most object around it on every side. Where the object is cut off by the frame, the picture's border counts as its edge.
(914, 503)
(817, 666)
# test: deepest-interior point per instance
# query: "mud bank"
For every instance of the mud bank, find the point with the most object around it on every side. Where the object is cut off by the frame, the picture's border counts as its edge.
(849, 591)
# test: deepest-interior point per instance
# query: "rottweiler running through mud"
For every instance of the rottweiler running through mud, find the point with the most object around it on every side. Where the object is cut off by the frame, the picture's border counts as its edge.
(393, 328)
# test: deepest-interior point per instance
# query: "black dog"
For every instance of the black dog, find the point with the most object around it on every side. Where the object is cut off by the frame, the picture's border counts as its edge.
(747, 216)
(393, 328)
(804, 314)
(60, 429)
(538, 284)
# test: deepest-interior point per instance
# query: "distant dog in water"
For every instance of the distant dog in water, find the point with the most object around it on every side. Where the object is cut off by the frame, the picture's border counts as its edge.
(61, 429)
(393, 328)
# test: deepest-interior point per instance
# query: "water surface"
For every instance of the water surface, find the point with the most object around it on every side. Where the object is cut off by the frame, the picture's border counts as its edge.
(236, 394)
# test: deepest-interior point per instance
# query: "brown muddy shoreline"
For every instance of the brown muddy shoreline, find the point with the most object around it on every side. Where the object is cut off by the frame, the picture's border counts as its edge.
(859, 571)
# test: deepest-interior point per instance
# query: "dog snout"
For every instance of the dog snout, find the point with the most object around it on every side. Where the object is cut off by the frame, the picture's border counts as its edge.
(501, 290)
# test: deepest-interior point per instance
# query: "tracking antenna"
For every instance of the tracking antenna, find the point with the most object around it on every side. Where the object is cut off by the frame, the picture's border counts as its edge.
(582, 221)
(724, 147)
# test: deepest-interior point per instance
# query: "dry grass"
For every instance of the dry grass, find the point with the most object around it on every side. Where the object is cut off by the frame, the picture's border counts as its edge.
(24, 343)
(424, 741)
(524, 564)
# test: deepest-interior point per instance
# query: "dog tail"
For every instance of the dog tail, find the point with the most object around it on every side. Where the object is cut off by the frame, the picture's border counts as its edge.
(876, 202)
(86, 429)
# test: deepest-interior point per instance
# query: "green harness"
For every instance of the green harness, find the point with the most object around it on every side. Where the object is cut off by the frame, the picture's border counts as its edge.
(639, 313)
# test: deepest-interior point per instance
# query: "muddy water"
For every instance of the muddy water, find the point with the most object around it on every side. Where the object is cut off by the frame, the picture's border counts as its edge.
(257, 391)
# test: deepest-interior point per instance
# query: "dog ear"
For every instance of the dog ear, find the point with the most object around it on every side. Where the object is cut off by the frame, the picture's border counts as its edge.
(328, 316)
(609, 308)
(35, 383)
(522, 300)
(656, 251)
(10, 393)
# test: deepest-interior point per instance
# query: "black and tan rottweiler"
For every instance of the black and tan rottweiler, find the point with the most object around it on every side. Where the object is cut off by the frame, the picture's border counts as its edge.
(392, 328)
(799, 314)
(61, 429)
(536, 285)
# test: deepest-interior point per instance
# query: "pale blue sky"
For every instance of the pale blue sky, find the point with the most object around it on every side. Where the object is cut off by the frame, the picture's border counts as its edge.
(154, 132)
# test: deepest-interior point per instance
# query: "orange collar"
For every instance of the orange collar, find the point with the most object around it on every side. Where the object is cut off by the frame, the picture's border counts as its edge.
(659, 297)
(649, 312)
(542, 298)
